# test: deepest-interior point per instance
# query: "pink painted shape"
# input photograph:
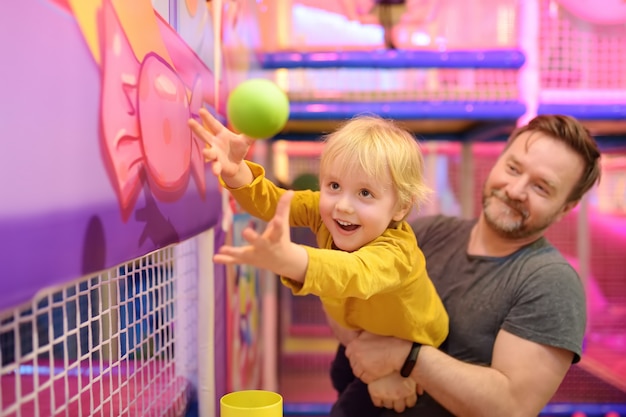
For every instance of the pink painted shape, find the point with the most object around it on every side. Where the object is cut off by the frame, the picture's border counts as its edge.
(149, 129)
(197, 159)
(190, 68)
(163, 115)
(120, 130)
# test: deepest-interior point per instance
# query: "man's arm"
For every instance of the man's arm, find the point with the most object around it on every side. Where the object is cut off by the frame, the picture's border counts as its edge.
(522, 378)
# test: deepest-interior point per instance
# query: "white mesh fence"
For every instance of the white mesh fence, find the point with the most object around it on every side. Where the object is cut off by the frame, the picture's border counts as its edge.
(105, 345)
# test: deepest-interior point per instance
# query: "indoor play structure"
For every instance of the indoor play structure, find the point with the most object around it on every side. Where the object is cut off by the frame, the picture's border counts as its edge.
(110, 304)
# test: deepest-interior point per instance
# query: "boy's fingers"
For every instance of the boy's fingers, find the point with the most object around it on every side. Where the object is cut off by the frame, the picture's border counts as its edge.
(275, 228)
(250, 235)
(211, 122)
(199, 131)
(282, 210)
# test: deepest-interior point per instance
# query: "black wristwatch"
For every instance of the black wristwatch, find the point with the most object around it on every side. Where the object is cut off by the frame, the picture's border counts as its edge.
(409, 363)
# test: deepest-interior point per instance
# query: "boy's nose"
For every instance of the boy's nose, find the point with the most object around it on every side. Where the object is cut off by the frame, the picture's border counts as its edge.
(343, 204)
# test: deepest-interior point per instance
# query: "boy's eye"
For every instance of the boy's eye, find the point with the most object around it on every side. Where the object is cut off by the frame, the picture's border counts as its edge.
(365, 193)
(334, 186)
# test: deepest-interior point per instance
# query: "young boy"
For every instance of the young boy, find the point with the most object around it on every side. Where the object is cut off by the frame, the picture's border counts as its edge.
(368, 270)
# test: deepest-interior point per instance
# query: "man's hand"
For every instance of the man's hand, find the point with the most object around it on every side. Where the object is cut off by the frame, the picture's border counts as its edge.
(373, 357)
(273, 249)
(393, 392)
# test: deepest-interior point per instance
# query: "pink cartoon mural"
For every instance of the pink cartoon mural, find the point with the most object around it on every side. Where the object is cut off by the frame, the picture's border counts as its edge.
(145, 104)
(147, 134)
(101, 166)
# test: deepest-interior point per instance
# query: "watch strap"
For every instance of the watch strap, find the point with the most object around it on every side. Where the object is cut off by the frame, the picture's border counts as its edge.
(410, 361)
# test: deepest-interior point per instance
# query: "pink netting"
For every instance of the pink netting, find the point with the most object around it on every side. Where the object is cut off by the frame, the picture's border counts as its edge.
(582, 56)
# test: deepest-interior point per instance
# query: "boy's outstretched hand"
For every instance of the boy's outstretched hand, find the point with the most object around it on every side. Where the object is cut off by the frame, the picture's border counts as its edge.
(226, 149)
(273, 249)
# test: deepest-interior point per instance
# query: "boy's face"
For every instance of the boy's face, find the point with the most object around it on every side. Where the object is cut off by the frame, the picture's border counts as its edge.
(356, 208)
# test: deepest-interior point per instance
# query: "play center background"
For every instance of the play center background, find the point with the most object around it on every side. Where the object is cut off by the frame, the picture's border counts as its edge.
(110, 304)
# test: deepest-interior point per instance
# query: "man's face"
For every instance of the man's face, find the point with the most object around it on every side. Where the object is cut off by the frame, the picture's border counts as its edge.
(527, 188)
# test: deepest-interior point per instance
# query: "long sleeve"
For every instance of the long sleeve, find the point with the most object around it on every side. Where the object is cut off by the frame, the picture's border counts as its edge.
(333, 273)
(260, 198)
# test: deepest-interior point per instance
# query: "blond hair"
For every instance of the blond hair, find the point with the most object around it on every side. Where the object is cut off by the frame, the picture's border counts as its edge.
(380, 148)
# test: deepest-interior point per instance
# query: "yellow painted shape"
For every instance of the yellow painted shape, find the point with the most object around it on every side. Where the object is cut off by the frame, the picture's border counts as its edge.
(86, 13)
(139, 22)
(137, 18)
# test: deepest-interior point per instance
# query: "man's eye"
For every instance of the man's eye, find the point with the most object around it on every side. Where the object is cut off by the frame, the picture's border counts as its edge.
(541, 189)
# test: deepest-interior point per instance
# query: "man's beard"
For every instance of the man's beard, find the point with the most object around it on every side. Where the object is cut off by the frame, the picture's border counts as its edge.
(513, 228)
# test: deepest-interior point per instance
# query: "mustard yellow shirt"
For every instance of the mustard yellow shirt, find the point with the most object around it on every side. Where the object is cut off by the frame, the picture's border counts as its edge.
(382, 288)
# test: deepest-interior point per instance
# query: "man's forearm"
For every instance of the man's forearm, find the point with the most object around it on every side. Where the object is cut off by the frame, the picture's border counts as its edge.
(464, 389)
(521, 379)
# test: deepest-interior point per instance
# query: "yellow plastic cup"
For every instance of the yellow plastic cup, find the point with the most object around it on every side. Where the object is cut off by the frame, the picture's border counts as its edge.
(251, 403)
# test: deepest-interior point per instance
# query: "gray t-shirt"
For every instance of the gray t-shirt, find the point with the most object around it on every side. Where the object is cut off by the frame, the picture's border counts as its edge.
(533, 293)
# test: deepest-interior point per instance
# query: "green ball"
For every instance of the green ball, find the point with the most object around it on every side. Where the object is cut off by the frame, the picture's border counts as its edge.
(258, 108)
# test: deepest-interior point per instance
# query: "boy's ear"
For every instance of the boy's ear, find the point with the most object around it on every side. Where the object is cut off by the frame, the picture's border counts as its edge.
(402, 212)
